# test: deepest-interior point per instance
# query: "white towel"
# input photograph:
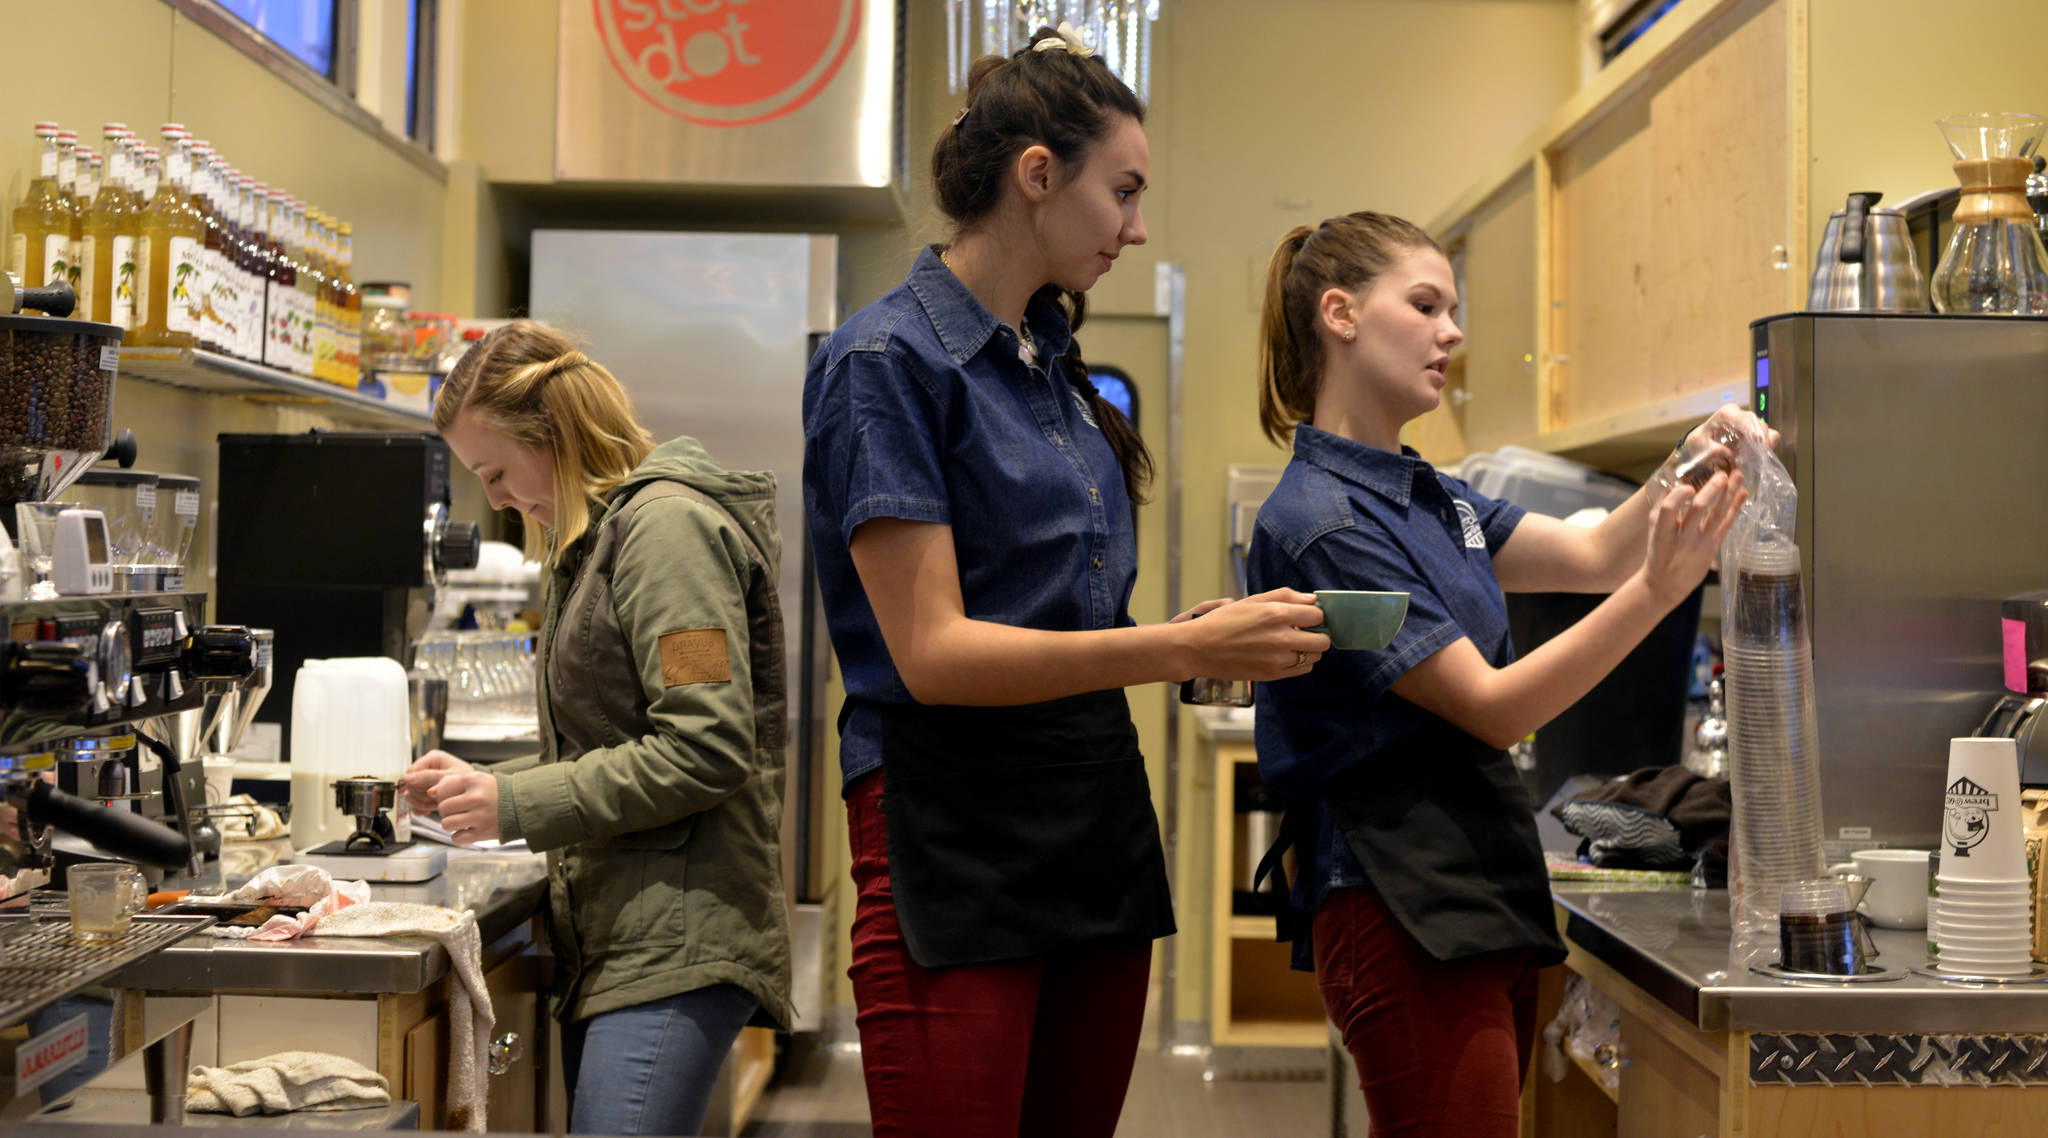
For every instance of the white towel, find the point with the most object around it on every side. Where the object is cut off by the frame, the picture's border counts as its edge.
(285, 1082)
(470, 1018)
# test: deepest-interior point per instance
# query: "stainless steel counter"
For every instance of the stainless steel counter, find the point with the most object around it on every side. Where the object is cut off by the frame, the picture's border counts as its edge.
(1674, 945)
(503, 889)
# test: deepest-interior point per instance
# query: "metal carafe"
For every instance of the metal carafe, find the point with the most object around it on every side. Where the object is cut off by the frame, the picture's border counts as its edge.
(1866, 262)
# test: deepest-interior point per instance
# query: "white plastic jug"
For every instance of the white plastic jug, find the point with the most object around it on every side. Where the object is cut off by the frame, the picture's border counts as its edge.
(349, 718)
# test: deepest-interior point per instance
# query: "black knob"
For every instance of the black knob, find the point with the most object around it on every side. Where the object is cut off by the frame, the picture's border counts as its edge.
(51, 300)
(221, 652)
(46, 675)
(457, 545)
(123, 450)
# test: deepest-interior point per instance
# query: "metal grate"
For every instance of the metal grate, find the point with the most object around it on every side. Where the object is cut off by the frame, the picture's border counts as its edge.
(40, 963)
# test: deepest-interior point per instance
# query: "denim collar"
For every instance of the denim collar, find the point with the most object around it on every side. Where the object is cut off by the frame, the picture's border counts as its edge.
(965, 325)
(1390, 475)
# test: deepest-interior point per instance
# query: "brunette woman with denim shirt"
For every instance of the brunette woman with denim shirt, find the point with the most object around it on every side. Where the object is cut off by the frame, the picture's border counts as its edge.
(1415, 841)
(969, 500)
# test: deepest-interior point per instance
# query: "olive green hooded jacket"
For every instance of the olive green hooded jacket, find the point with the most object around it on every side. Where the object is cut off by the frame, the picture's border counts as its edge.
(657, 794)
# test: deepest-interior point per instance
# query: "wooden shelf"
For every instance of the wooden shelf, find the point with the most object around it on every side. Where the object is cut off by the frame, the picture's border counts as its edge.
(1592, 1074)
(1640, 436)
(1274, 1033)
(1253, 928)
(189, 369)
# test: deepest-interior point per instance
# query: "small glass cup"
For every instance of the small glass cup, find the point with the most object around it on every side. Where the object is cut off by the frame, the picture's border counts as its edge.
(1209, 691)
(36, 522)
(105, 896)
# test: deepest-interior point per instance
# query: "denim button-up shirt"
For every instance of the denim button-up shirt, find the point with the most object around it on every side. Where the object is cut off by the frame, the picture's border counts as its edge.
(920, 408)
(1349, 516)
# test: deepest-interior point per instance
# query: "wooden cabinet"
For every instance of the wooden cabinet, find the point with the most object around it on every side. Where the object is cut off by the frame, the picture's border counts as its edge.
(1490, 397)
(1255, 999)
(1672, 222)
(514, 1101)
(1610, 273)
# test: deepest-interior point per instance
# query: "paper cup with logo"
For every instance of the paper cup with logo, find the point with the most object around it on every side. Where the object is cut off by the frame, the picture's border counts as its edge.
(1981, 834)
(1357, 619)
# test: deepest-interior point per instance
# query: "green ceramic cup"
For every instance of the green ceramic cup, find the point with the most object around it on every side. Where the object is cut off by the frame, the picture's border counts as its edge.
(1354, 619)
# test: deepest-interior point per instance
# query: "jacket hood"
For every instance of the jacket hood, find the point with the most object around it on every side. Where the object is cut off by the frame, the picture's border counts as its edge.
(748, 495)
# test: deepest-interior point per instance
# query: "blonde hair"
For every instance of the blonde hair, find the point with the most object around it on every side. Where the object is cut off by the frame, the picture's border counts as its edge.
(532, 383)
(1347, 252)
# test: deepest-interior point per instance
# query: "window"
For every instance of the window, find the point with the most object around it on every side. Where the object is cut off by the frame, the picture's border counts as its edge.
(304, 28)
(1117, 388)
(422, 23)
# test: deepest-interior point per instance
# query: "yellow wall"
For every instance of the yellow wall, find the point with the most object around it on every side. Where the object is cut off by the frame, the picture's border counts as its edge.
(1883, 70)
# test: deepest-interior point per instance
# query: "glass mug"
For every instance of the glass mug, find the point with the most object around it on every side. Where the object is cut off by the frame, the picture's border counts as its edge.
(1210, 691)
(105, 896)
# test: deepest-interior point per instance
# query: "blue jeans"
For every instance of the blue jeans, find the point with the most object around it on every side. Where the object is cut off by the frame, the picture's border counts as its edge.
(649, 1069)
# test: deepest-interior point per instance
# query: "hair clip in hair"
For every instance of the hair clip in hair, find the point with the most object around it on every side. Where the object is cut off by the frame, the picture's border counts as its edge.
(1066, 38)
(963, 114)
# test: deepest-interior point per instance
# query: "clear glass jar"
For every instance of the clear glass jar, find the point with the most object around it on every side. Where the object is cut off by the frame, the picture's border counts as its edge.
(387, 336)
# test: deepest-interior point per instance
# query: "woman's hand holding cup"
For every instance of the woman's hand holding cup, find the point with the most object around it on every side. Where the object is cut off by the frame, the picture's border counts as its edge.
(1262, 637)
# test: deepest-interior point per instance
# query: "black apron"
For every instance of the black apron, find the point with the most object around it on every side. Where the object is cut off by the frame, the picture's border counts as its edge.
(1020, 831)
(1446, 834)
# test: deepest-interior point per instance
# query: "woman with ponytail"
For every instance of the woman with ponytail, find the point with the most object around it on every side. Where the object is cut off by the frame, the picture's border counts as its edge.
(658, 790)
(969, 502)
(1415, 843)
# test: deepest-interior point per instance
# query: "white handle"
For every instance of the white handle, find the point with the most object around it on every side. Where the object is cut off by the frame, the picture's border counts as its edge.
(1842, 868)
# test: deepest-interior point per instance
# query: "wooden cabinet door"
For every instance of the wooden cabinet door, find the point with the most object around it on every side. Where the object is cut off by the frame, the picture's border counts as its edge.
(1671, 218)
(1490, 398)
(512, 1098)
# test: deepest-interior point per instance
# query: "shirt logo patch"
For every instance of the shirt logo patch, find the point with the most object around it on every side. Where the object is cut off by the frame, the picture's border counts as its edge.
(1087, 412)
(1474, 538)
(694, 656)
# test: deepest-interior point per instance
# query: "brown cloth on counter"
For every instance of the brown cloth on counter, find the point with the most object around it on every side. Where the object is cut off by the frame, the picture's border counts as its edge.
(1696, 810)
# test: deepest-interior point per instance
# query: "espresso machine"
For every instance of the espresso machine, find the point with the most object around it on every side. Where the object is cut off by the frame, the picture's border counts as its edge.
(89, 679)
(337, 541)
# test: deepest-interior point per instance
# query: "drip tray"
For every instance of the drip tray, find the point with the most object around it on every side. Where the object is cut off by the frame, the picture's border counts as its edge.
(411, 861)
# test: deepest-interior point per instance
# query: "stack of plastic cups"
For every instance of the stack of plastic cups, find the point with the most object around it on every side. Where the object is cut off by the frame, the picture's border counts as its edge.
(1981, 921)
(1773, 739)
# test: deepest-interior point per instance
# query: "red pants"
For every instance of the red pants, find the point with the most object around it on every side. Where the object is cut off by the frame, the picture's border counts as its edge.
(1042, 1046)
(1441, 1045)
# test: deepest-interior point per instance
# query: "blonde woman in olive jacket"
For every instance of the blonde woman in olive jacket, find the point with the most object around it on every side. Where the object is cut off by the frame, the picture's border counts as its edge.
(658, 791)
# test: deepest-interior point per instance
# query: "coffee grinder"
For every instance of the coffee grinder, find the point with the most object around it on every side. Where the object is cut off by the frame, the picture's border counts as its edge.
(2018, 713)
(337, 541)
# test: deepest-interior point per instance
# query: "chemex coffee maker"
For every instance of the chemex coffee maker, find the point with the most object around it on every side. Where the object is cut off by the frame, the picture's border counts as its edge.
(92, 682)
(2018, 714)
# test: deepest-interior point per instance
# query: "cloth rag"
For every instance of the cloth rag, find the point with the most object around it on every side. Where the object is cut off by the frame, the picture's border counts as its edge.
(1653, 818)
(306, 885)
(261, 822)
(470, 1018)
(285, 1082)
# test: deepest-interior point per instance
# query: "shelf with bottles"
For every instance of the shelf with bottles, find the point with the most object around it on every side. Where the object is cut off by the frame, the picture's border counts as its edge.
(183, 251)
(191, 369)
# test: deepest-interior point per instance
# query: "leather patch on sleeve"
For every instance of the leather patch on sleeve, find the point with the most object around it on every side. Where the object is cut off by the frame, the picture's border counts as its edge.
(694, 656)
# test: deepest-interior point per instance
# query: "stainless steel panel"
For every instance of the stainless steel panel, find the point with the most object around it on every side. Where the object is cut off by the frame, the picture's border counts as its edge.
(709, 332)
(1914, 442)
(719, 92)
(1674, 945)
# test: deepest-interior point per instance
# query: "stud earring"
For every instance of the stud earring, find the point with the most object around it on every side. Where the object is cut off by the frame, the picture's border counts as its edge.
(1350, 334)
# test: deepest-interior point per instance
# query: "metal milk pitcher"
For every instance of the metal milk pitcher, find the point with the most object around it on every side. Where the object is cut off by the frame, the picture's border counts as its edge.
(1866, 262)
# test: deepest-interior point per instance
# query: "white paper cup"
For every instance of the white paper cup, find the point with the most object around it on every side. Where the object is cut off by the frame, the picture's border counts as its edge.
(220, 778)
(1980, 824)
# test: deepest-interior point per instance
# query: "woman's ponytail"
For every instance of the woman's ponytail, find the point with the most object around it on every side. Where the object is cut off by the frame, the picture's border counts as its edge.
(1287, 388)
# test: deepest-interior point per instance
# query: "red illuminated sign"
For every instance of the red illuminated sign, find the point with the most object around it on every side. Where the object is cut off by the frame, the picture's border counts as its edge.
(727, 62)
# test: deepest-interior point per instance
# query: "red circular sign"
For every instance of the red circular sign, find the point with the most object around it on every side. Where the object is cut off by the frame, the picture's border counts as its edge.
(727, 62)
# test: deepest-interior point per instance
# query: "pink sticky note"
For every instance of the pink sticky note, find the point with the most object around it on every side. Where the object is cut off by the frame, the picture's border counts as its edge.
(2015, 654)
